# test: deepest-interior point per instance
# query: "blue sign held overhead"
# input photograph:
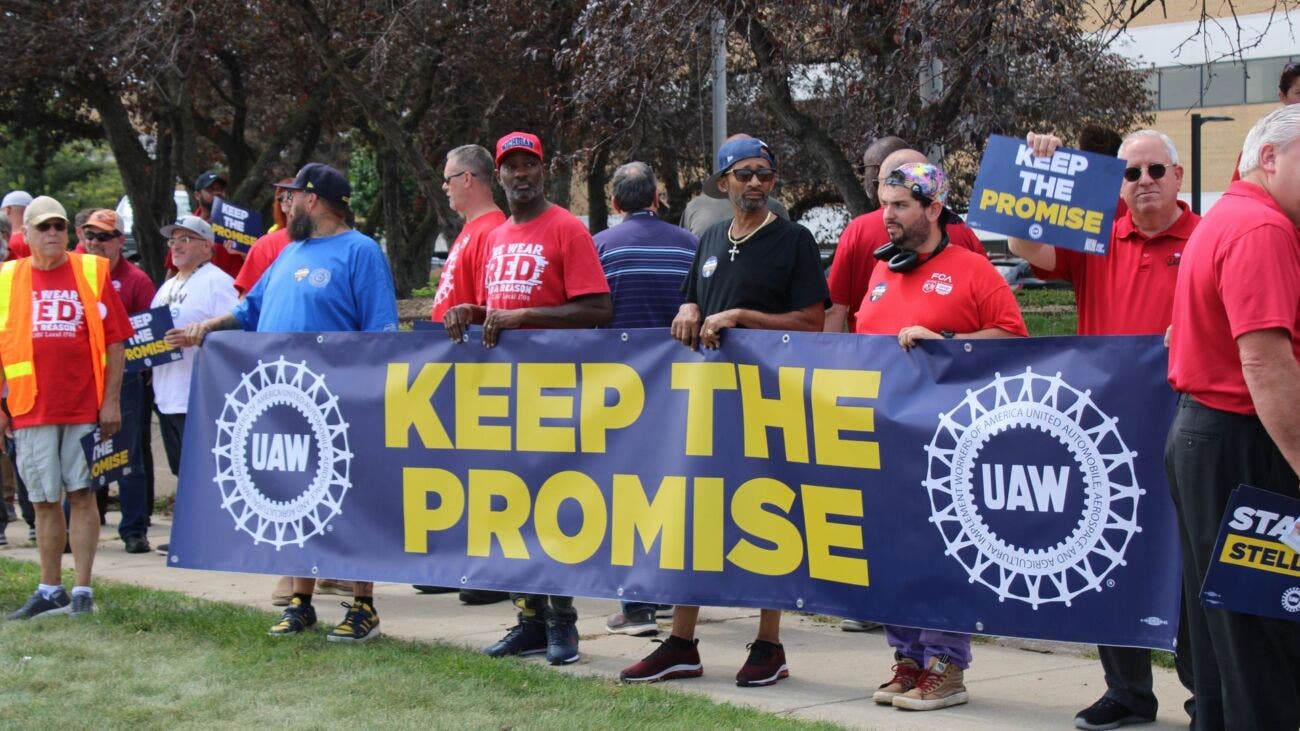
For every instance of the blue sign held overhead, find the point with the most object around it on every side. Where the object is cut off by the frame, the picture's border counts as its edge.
(1253, 569)
(1065, 200)
(240, 227)
(146, 348)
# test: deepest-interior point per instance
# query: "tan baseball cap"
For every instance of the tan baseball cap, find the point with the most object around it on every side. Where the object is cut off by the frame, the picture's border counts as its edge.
(42, 209)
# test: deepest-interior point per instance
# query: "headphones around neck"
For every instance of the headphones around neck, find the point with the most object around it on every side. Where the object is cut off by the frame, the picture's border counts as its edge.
(905, 260)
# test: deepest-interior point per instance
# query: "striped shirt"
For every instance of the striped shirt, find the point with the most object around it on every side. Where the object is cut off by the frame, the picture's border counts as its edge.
(645, 261)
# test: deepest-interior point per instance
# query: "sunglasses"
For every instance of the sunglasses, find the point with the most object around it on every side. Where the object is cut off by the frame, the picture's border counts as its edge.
(173, 241)
(446, 179)
(101, 237)
(764, 175)
(56, 225)
(1156, 170)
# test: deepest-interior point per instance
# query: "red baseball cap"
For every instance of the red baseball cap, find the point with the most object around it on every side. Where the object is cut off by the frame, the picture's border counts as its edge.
(519, 141)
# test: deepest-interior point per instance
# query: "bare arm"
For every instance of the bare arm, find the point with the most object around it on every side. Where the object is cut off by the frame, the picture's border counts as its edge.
(588, 310)
(110, 412)
(836, 317)
(1042, 256)
(807, 319)
(1273, 379)
(194, 333)
(910, 335)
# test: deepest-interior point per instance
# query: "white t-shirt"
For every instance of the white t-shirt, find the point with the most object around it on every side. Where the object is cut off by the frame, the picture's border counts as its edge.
(208, 292)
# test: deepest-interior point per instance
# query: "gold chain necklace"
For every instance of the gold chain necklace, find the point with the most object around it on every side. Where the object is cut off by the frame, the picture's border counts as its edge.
(737, 241)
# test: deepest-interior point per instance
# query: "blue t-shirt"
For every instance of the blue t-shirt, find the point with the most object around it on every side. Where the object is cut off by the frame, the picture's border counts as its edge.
(645, 261)
(339, 283)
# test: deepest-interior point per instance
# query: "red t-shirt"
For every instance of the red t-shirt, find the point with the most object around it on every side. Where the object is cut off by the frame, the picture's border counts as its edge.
(133, 286)
(1130, 290)
(854, 261)
(18, 248)
(1241, 273)
(65, 382)
(543, 263)
(956, 290)
(260, 258)
(462, 277)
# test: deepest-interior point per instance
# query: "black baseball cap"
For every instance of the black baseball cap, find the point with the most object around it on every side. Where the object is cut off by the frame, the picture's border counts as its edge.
(206, 179)
(324, 181)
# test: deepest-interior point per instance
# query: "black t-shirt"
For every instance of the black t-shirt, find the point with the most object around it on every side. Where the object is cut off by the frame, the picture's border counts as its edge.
(778, 270)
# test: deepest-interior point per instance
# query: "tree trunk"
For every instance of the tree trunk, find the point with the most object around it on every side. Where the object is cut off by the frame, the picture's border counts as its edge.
(597, 203)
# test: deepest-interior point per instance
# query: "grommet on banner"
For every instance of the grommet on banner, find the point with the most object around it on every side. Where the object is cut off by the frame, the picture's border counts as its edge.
(968, 347)
(464, 579)
(620, 591)
(623, 337)
(320, 338)
(314, 571)
(798, 603)
(175, 559)
(785, 338)
(979, 626)
(464, 338)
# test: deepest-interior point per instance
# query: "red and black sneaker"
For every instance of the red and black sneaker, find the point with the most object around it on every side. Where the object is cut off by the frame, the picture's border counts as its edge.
(674, 658)
(764, 666)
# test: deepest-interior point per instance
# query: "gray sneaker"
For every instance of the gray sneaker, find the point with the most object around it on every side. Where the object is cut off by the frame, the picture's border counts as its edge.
(39, 606)
(82, 605)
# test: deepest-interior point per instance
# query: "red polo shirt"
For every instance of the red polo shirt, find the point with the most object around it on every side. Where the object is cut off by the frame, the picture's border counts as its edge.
(1241, 273)
(1130, 290)
(956, 290)
(854, 259)
(18, 248)
(133, 286)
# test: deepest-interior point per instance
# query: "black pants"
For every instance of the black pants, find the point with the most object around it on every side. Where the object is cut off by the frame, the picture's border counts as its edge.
(172, 428)
(537, 607)
(1247, 667)
(1128, 673)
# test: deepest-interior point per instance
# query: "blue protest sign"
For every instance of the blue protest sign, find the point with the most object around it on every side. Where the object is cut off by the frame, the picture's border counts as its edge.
(1253, 570)
(147, 348)
(116, 457)
(1007, 487)
(237, 226)
(1066, 200)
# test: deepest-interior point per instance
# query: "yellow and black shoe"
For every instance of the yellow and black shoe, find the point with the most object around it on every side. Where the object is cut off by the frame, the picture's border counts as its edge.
(360, 624)
(296, 618)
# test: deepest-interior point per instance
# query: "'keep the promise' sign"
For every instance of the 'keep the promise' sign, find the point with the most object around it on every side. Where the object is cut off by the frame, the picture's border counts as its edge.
(147, 348)
(1066, 200)
(240, 227)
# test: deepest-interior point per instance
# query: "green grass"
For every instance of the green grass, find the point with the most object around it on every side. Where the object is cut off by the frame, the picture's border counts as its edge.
(153, 659)
(1048, 311)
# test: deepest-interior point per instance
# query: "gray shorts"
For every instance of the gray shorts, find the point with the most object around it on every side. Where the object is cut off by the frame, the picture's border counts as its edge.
(50, 460)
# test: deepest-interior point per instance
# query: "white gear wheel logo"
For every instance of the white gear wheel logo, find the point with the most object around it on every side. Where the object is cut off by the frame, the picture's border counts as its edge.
(1079, 561)
(281, 523)
(1291, 600)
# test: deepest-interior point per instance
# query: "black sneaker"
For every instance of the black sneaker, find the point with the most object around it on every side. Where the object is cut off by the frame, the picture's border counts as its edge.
(360, 624)
(482, 596)
(764, 666)
(137, 544)
(526, 638)
(427, 589)
(561, 642)
(39, 606)
(162, 549)
(83, 605)
(1106, 714)
(296, 618)
(674, 658)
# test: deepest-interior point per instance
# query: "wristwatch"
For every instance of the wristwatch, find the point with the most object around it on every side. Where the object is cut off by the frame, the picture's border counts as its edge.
(948, 334)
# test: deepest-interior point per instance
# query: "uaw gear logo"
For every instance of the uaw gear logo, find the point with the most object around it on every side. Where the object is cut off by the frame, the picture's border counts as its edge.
(1291, 599)
(1032, 489)
(283, 462)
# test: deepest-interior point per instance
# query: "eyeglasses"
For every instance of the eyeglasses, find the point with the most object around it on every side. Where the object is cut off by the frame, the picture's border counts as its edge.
(1156, 170)
(56, 225)
(173, 241)
(446, 179)
(282, 198)
(764, 175)
(101, 237)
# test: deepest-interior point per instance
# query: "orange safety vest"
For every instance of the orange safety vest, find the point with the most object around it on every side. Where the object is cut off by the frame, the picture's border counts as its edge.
(91, 274)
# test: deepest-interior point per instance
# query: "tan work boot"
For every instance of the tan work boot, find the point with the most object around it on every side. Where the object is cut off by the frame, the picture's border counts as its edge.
(906, 673)
(283, 592)
(334, 586)
(939, 686)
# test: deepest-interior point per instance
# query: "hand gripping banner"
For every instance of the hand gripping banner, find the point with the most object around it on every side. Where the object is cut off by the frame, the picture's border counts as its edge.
(1003, 487)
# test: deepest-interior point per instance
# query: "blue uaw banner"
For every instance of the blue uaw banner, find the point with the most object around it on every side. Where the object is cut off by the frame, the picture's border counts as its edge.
(1066, 200)
(240, 227)
(1253, 569)
(1010, 487)
(146, 348)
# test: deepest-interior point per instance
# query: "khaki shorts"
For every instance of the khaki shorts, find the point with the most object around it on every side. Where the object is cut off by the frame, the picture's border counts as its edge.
(50, 460)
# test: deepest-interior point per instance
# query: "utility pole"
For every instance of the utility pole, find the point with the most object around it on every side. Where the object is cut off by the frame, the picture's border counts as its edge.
(1197, 121)
(719, 83)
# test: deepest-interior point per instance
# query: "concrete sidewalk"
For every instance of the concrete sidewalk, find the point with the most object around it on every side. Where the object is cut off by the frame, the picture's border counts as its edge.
(832, 673)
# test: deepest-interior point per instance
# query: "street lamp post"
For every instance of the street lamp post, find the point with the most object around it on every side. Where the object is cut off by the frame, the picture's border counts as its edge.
(1197, 121)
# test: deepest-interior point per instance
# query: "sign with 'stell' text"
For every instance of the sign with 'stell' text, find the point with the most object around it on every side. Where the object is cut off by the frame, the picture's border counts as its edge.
(1253, 567)
(1066, 200)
